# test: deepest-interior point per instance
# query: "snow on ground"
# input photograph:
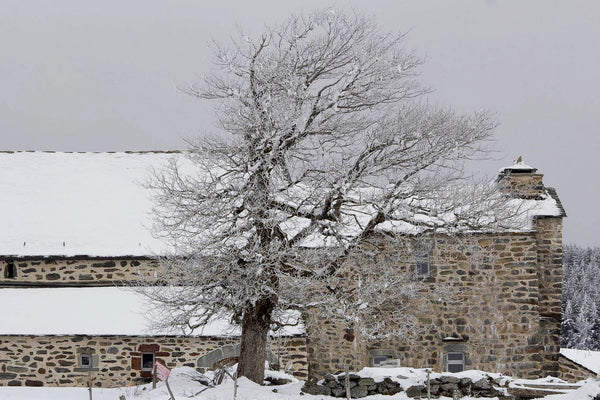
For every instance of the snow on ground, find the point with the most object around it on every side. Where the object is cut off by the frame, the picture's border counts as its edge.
(184, 386)
(91, 311)
(587, 358)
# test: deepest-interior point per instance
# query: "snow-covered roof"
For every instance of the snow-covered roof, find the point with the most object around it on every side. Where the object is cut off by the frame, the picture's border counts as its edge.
(92, 311)
(588, 358)
(76, 203)
(94, 204)
(518, 166)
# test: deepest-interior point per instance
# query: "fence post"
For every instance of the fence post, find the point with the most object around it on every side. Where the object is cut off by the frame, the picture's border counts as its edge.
(154, 376)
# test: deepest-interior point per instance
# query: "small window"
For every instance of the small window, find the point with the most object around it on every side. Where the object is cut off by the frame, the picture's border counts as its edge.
(147, 361)
(385, 361)
(85, 361)
(455, 362)
(423, 270)
(379, 360)
(10, 271)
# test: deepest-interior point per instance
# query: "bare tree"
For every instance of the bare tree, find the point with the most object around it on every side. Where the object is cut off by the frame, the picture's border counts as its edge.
(324, 144)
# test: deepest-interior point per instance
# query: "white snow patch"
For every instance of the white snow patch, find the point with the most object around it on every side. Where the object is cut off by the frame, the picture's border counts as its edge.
(182, 382)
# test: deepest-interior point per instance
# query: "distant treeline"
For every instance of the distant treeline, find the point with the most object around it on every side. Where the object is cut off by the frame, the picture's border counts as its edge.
(581, 298)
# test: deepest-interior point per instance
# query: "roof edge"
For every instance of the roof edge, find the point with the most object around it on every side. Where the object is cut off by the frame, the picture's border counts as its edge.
(96, 152)
(552, 192)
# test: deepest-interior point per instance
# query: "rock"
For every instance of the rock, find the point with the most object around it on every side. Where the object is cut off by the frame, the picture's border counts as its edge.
(358, 391)
(448, 387)
(389, 382)
(393, 390)
(449, 379)
(351, 377)
(366, 381)
(332, 384)
(338, 392)
(277, 381)
(329, 377)
(465, 382)
(316, 390)
(416, 391)
(481, 384)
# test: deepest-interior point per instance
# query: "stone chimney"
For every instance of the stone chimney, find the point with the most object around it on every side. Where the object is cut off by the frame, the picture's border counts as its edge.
(520, 180)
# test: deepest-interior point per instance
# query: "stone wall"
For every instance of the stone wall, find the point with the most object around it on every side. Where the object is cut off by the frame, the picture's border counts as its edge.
(570, 371)
(74, 271)
(523, 185)
(549, 259)
(28, 360)
(333, 346)
(492, 314)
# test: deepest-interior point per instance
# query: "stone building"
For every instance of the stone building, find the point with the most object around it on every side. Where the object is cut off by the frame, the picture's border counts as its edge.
(76, 226)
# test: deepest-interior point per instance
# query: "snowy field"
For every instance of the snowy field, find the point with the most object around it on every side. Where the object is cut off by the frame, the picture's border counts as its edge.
(184, 386)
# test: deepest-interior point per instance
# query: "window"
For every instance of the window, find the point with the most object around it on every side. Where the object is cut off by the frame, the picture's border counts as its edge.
(385, 361)
(421, 249)
(85, 361)
(455, 362)
(423, 266)
(379, 360)
(10, 271)
(147, 361)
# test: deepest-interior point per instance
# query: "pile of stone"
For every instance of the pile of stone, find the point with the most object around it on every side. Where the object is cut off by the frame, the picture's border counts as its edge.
(335, 386)
(448, 386)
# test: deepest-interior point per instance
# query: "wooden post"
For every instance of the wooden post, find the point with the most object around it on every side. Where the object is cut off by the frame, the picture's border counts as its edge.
(154, 376)
(90, 384)
(235, 375)
(347, 369)
(428, 385)
(169, 389)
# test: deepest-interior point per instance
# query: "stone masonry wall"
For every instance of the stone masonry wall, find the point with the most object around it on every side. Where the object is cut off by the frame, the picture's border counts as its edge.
(75, 271)
(332, 346)
(570, 371)
(27, 360)
(549, 254)
(524, 185)
(492, 316)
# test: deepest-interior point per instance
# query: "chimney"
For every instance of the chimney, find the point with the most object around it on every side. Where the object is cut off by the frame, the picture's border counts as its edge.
(521, 181)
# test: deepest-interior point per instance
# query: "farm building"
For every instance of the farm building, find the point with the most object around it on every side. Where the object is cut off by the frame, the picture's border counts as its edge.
(76, 230)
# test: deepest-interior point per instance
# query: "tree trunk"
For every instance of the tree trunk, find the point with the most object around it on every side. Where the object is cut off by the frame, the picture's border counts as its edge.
(253, 349)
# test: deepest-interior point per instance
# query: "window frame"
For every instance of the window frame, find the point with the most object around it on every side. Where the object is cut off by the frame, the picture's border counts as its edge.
(378, 364)
(90, 359)
(460, 361)
(423, 260)
(10, 270)
(153, 361)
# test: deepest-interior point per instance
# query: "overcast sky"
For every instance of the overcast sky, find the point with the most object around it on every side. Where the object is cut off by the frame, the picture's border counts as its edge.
(102, 76)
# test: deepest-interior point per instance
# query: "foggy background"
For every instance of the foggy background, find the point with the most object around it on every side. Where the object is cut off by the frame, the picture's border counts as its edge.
(103, 76)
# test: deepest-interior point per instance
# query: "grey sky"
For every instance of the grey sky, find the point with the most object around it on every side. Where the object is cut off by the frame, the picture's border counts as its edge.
(101, 76)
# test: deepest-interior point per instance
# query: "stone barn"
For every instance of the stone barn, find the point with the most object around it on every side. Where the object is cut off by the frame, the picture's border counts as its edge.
(76, 229)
